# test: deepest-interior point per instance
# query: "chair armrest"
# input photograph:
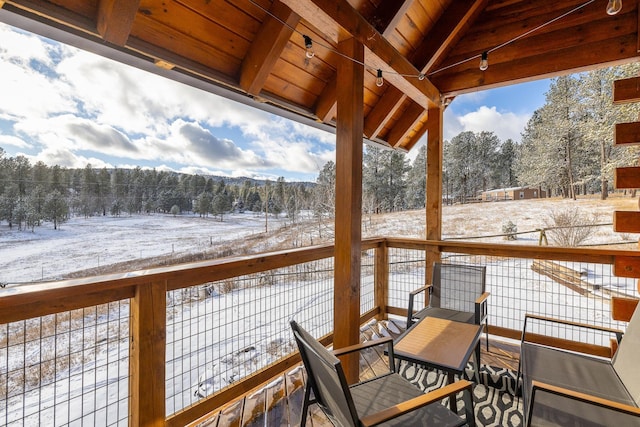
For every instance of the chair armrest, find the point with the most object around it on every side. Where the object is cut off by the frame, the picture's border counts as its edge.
(482, 298)
(481, 310)
(362, 346)
(412, 295)
(538, 387)
(368, 344)
(387, 414)
(527, 316)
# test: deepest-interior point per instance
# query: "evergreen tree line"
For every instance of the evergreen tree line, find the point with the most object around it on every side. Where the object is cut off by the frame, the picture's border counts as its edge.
(31, 194)
(567, 146)
(566, 149)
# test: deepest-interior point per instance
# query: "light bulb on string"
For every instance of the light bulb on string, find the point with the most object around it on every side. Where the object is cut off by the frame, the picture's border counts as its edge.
(614, 6)
(379, 79)
(308, 44)
(484, 61)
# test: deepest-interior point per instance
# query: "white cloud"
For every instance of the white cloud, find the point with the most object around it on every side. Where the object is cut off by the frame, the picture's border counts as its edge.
(13, 141)
(74, 107)
(506, 125)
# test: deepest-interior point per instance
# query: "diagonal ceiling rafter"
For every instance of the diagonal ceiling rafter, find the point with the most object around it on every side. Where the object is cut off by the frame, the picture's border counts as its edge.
(334, 16)
(437, 43)
(385, 17)
(115, 19)
(270, 41)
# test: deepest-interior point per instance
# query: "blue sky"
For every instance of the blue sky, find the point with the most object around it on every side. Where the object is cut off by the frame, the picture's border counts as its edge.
(64, 106)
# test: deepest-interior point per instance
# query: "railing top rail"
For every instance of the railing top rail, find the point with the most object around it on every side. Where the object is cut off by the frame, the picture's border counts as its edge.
(603, 256)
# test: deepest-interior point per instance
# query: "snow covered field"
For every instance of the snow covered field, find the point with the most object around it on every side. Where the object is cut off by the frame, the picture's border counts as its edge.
(216, 338)
(84, 243)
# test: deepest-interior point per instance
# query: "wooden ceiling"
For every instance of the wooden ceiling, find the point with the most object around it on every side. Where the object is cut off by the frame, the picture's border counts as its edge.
(253, 51)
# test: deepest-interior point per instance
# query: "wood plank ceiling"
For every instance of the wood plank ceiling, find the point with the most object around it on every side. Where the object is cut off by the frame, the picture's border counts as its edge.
(428, 50)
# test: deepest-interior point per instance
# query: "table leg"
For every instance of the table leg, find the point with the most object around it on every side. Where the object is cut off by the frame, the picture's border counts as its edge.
(452, 400)
(477, 367)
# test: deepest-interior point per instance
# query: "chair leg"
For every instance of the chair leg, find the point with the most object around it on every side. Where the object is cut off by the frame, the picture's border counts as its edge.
(477, 354)
(305, 405)
(486, 332)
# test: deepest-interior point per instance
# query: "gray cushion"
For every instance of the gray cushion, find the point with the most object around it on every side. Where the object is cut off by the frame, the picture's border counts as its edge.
(586, 374)
(373, 396)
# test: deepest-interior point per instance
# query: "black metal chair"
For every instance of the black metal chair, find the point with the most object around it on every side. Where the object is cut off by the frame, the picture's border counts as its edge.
(388, 399)
(457, 292)
(562, 387)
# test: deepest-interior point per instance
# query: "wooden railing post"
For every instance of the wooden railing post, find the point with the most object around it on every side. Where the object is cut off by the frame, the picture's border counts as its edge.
(381, 274)
(147, 355)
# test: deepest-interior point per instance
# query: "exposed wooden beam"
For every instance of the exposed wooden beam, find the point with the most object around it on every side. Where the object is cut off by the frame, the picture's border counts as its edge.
(435, 146)
(333, 15)
(265, 51)
(447, 30)
(348, 241)
(626, 266)
(551, 64)
(115, 19)
(628, 177)
(578, 42)
(326, 104)
(389, 13)
(626, 90)
(415, 137)
(384, 109)
(626, 222)
(385, 18)
(627, 133)
(405, 124)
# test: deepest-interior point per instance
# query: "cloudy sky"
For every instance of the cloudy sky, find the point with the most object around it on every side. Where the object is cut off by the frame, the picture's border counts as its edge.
(64, 106)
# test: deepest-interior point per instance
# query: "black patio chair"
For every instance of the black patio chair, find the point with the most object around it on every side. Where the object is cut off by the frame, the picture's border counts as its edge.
(570, 388)
(388, 399)
(457, 292)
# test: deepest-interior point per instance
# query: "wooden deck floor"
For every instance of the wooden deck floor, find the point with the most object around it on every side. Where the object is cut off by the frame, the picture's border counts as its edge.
(279, 403)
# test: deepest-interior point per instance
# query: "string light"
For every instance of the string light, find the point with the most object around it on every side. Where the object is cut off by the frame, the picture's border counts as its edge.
(614, 6)
(308, 44)
(379, 79)
(484, 61)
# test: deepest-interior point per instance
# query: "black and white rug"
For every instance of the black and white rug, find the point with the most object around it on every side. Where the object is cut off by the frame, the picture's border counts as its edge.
(494, 398)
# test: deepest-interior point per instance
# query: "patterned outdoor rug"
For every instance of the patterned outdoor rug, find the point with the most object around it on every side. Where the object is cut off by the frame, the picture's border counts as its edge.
(494, 401)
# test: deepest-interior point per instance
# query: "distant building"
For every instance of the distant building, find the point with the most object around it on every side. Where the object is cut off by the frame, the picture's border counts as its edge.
(513, 193)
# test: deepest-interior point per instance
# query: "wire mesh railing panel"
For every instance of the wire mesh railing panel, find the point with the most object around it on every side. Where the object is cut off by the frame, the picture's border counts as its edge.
(70, 368)
(575, 291)
(367, 281)
(568, 290)
(406, 273)
(221, 332)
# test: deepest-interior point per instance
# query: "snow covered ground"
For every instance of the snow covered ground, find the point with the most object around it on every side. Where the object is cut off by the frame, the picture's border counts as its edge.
(84, 243)
(214, 340)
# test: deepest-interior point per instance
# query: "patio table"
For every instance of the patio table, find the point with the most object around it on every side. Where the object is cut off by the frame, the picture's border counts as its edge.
(442, 344)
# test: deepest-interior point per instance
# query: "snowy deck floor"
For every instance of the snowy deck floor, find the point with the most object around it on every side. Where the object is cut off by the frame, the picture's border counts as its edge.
(279, 404)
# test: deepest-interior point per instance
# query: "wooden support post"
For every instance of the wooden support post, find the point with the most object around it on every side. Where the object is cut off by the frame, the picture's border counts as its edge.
(147, 355)
(348, 222)
(382, 281)
(434, 186)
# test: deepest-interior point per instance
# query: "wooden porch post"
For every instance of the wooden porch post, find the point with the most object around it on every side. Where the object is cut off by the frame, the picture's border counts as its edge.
(147, 355)
(348, 232)
(434, 185)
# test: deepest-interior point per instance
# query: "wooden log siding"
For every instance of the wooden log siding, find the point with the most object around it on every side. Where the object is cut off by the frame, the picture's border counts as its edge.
(146, 288)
